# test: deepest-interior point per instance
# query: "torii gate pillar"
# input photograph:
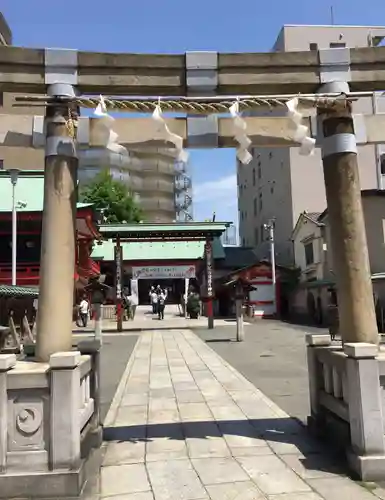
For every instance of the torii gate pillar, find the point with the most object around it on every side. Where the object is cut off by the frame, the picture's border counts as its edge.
(347, 226)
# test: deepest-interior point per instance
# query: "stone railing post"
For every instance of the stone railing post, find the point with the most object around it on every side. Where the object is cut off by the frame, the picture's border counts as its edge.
(315, 377)
(7, 361)
(367, 454)
(65, 420)
(92, 347)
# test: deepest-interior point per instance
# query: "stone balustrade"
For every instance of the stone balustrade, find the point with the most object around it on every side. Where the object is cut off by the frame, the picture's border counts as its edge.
(47, 413)
(347, 400)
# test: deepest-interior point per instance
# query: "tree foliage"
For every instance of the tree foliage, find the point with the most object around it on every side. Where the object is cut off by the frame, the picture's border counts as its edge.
(113, 198)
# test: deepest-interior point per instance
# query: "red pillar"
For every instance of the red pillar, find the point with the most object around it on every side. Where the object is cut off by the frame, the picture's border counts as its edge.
(118, 284)
(209, 284)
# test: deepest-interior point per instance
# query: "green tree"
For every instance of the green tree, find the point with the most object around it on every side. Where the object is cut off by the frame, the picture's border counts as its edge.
(113, 197)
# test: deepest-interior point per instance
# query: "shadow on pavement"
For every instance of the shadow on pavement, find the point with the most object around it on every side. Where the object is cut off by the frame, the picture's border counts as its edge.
(285, 436)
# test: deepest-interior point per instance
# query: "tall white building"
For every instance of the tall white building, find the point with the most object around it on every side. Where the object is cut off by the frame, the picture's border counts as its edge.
(279, 183)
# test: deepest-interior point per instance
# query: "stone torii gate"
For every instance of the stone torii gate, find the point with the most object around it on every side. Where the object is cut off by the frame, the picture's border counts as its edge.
(63, 74)
(61, 77)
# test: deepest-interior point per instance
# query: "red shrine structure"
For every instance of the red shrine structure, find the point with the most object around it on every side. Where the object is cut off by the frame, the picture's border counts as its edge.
(29, 203)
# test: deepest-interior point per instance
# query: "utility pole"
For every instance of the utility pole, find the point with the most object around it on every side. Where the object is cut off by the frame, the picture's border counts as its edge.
(347, 226)
(14, 174)
(270, 228)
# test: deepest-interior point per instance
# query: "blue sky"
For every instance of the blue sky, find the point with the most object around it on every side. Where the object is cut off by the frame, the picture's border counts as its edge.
(174, 26)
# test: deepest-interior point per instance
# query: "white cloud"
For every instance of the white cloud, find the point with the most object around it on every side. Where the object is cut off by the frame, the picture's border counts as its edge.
(219, 196)
(224, 189)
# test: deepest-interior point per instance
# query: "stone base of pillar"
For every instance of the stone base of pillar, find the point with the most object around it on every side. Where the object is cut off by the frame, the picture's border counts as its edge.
(51, 484)
(50, 433)
(367, 468)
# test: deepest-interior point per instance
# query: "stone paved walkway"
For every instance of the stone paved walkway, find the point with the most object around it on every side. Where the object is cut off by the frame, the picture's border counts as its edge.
(185, 425)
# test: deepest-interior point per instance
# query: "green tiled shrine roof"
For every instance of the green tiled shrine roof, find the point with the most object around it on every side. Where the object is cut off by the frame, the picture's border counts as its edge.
(29, 190)
(157, 250)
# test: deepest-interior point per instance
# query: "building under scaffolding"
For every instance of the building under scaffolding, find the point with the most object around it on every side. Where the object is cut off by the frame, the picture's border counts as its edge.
(160, 182)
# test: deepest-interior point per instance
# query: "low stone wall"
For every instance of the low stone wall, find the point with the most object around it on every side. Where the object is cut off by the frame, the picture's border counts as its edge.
(347, 400)
(47, 418)
(109, 312)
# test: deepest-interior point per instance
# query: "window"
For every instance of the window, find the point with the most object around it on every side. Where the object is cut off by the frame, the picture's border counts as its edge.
(313, 46)
(382, 164)
(255, 206)
(259, 171)
(260, 201)
(254, 177)
(309, 253)
(337, 45)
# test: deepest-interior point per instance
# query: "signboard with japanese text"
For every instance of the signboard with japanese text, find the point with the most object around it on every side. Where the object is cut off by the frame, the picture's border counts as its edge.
(209, 268)
(163, 272)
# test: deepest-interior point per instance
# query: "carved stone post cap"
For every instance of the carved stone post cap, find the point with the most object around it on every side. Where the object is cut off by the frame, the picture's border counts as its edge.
(317, 340)
(69, 359)
(360, 350)
(7, 361)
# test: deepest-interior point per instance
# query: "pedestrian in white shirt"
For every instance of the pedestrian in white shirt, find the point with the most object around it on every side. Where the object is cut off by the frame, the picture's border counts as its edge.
(154, 301)
(133, 305)
(84, 310)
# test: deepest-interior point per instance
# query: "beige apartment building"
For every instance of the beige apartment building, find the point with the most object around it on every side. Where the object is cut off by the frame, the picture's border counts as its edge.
(161, 184)
(281, 184)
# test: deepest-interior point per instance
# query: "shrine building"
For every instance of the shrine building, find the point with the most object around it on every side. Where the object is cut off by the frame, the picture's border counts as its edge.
(29, 196)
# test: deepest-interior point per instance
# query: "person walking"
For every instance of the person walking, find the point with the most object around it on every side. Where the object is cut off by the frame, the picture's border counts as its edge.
(133, 305)
(161, 304)
(154, 301)
(84, 310)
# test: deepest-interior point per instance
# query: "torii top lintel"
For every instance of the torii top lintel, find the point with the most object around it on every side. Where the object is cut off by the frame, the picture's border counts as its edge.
(158, 231)
(32, 70)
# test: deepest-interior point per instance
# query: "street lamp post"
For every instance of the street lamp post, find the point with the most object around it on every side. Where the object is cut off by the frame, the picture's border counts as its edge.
(14, 174)
(270, 228)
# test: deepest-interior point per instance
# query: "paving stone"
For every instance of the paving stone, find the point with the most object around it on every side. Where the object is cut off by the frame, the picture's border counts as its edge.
(189, 397)
(310, 495)
(175, 480)
(296, 445)
(130, 399)
(163, 416)
(272, 476)
(185, 386)
(131, 415)
(240, 433)
(195, 411)
(218, 470)
(313, 466)
(340, 488)
(122, 479)
(162, 404)
(124, 453)
(207, 447)
(379, 492)
(201, 429)
(147, 495)
(165, 449)
(162, 393)
(246, 490)
(250, 451)
(227, 413)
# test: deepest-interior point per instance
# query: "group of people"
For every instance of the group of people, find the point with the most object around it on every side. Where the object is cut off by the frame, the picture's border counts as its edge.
(158, 298)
